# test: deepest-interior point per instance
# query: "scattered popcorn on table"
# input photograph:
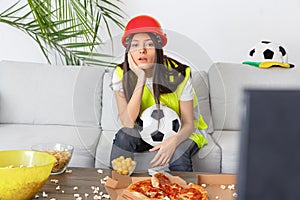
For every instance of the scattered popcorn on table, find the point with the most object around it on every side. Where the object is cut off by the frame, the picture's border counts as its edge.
(203, 185)
(95, 191)
(52, 199)
(57, 188)
(231, 187)
(96, 197)
(102, 181)
(76, 195)
(100, 171)
(106, 196)
(36, 196)
(234, 194)
(75, 188)
(44, 195)
(223, 187)
(54, 181)
(68, 171)
(86, 194)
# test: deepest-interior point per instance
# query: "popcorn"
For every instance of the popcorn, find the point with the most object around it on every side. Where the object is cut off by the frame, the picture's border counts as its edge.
(234, 194)
(76, 195)
(123, 165)
(44, 195)
(106, 196)
(68, 171)
(54, 181)
(62, 159)
(231, 187)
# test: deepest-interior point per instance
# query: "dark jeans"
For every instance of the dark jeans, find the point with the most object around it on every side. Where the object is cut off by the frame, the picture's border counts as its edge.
(129, 141)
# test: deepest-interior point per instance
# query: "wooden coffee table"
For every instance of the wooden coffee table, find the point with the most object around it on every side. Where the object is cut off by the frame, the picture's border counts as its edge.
(85, 183)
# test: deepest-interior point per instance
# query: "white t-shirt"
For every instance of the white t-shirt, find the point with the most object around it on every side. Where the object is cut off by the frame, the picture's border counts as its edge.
(187, 93)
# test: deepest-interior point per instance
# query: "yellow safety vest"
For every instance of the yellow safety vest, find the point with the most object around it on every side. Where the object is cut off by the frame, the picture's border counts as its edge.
(199, 136)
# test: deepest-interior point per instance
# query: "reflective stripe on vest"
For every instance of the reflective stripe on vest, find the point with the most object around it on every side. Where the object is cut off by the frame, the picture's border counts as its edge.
(199, 136)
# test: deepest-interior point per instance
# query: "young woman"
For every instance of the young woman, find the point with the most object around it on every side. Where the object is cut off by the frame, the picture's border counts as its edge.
(148, 77)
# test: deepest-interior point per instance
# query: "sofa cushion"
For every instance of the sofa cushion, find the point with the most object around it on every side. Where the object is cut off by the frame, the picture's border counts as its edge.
(208, 159)
(34, 93)
(103, 149)
(229, 142)
(84, 139)
(227, 82)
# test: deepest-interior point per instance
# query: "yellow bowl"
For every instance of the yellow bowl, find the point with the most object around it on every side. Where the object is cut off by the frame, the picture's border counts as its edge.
(23, 173)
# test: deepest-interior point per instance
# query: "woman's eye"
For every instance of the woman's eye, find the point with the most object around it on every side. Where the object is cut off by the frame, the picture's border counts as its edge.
(150, 44)
(134, 45)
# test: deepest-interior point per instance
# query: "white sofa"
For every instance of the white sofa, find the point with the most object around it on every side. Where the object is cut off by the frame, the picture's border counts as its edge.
(40, 103)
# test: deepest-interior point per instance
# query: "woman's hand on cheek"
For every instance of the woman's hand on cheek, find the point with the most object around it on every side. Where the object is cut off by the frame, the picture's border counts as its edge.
(165, 152)
(133, 66)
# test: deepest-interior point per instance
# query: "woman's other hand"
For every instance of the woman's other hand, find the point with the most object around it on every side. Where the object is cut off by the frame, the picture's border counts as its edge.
(165, 152)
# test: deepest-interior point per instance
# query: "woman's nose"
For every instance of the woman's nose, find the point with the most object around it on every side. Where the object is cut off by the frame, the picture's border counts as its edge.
(143, 50)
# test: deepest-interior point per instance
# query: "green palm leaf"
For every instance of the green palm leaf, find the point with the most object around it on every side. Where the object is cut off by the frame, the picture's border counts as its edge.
(70, 27)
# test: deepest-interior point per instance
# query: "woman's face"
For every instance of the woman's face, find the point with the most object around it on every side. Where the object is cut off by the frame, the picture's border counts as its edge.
(142, 50)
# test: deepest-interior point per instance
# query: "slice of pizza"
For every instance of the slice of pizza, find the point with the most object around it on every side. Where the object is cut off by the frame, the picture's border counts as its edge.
(193, 192)
(144, 190)
(159, 179)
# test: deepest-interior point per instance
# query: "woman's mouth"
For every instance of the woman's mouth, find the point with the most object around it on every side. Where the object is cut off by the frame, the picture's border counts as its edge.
(143, 59)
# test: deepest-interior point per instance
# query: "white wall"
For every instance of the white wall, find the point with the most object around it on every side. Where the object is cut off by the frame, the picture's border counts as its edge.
(225, 30)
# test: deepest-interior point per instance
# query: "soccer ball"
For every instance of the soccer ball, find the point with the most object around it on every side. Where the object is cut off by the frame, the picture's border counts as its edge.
(158, 124)
(267, 51)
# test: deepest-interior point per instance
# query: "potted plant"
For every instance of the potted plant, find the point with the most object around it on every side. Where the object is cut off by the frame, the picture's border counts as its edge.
(70, 28)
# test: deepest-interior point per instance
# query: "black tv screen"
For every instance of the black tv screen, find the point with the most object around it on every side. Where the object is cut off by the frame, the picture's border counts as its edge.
(269, 165)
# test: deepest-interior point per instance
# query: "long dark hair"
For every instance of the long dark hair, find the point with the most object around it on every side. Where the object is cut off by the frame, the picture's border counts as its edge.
(161, 74)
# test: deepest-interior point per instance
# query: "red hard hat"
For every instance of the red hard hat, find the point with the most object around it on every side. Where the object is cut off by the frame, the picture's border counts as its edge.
(143, 23)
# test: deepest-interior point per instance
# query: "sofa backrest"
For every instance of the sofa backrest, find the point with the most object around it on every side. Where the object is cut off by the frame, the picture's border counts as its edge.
(33, 93)
(227, 82)
(111, 122)
(201, 85)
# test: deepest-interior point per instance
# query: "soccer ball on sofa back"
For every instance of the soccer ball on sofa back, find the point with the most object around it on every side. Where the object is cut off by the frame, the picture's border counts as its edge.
(266, 51)
(158, 124)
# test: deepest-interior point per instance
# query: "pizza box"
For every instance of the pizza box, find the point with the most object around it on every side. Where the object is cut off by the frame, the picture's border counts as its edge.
(116, 186)
(219, 186)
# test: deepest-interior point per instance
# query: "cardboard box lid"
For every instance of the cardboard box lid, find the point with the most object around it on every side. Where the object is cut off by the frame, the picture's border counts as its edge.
(219, 186)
